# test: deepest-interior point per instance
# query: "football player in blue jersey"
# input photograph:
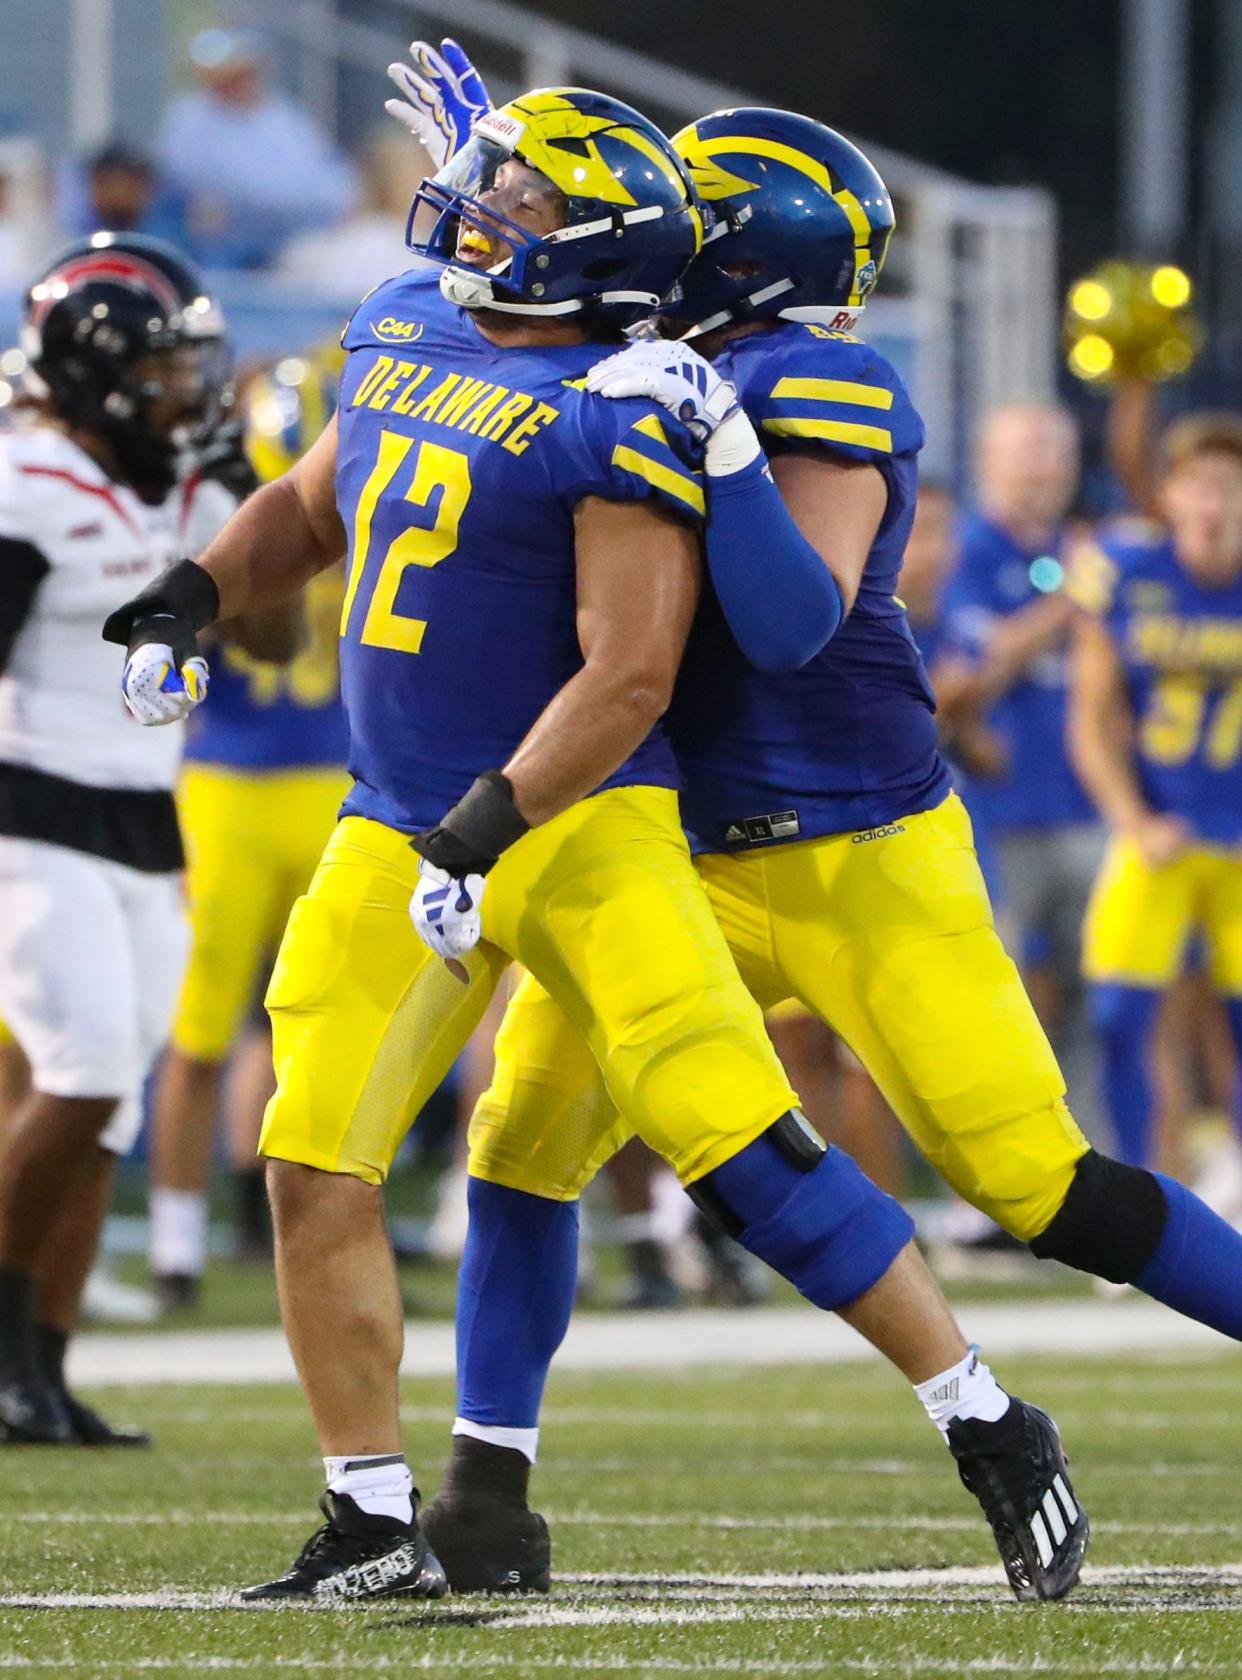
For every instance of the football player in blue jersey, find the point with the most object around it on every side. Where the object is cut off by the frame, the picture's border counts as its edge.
(835, 855)
(523, 573)
(1157, 735)
(1007, 636)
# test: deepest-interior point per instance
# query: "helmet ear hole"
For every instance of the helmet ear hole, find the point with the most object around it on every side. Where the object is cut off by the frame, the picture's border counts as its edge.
(605, 268)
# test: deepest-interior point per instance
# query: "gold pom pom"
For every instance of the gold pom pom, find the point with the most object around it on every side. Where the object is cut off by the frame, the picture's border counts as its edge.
(1130, 321)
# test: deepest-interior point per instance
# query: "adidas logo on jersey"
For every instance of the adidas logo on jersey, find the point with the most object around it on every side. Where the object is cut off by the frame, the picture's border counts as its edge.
(885, 832)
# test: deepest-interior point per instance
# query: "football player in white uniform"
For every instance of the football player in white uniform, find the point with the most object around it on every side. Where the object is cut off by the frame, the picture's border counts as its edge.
(127, 366)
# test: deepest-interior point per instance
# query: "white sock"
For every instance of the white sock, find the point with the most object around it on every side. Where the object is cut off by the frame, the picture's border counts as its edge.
(966, 1390)
(378, 1483)
(521, 1440)
(178, 1231)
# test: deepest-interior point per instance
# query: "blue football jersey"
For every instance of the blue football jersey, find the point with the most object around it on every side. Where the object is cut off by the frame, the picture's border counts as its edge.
(1180, 643)
(993, 578)
(259, 716)
(459, 468)
(849, 741)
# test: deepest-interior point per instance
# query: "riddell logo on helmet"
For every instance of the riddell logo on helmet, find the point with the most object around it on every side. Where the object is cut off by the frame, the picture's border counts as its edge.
(501, 126)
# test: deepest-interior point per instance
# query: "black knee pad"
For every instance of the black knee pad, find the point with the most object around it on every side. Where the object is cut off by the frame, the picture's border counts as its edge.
(1109, 1224)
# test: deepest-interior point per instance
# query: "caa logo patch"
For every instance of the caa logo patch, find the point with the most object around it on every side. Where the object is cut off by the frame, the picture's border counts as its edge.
(392, 331)
(866, 278)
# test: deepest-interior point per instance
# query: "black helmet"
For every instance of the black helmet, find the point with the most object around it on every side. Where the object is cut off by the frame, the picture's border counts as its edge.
(92, 315)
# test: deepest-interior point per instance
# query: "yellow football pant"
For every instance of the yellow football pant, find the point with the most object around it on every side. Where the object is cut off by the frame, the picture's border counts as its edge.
(603, 906)
(1140, 919)
(252, 839)
(889, 939)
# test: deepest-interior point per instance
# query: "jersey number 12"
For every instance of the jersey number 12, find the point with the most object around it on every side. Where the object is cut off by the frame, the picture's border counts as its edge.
(436, 468)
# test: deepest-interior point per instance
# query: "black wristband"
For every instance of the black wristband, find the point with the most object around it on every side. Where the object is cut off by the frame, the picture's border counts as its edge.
(185, 593)
(471, 836)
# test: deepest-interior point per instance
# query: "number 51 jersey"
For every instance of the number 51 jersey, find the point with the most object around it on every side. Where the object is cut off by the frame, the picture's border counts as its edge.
(459, 466)
(1180, 643)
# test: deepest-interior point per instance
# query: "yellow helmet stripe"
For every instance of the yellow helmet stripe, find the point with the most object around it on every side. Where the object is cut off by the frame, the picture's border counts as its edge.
(749, 145)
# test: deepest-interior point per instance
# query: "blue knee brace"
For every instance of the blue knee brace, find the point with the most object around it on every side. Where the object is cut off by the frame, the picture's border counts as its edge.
(808, 1212)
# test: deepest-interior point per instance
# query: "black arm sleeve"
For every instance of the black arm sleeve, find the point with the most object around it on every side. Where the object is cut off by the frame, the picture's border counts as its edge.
(22, 569)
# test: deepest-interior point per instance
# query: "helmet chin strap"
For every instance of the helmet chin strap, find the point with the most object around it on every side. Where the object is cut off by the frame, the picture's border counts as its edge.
(475, 291)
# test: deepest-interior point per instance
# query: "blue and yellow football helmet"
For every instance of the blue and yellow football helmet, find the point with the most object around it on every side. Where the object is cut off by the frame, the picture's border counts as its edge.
(631, 222)
(801, 221)
(287, 407)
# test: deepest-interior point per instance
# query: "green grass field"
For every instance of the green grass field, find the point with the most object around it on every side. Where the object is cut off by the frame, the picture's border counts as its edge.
(774, 1522)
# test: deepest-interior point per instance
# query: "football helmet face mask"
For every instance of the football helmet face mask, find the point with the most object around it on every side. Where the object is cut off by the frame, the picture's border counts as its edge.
(801, 222)
(562, 201)
(123, 342)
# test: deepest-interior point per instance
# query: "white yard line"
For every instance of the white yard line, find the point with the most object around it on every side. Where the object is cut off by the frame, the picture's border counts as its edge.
(645, 1341)
(698, 1596)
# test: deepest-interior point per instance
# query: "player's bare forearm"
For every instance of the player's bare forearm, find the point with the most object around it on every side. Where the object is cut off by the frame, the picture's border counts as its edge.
(279, 537)
(1131, 448)
(638, 584)
(1101, 728)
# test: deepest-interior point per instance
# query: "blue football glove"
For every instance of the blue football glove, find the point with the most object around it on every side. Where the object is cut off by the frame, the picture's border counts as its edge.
(444, 98)
(445, 912)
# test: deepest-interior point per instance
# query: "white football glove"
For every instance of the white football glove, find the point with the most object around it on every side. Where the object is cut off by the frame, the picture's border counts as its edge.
(672, 374)
(445, 913)
(156, 691)
(687, 384)
(444, 98)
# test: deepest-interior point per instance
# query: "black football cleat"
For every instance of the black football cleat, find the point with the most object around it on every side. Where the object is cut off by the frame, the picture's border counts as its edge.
(1018, 1472)
(32, 1413)
(91, 1430)
(493, 1542)
(354, 1557)
(488, 1545)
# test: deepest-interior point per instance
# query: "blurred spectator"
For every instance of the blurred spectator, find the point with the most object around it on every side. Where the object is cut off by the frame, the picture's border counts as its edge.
(255, 168)
(23, 211)
(1006, 634)
(926, 572)
(14, 253)
(350, 260)
(117, 188)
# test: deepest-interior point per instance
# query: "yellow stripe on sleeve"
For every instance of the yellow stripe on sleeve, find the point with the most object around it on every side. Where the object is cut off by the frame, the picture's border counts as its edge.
(650, 427)
(663, 478)
(835, 390)
(833, 431)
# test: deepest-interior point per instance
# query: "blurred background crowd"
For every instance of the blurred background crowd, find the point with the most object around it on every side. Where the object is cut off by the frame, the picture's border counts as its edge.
(1063, 283)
